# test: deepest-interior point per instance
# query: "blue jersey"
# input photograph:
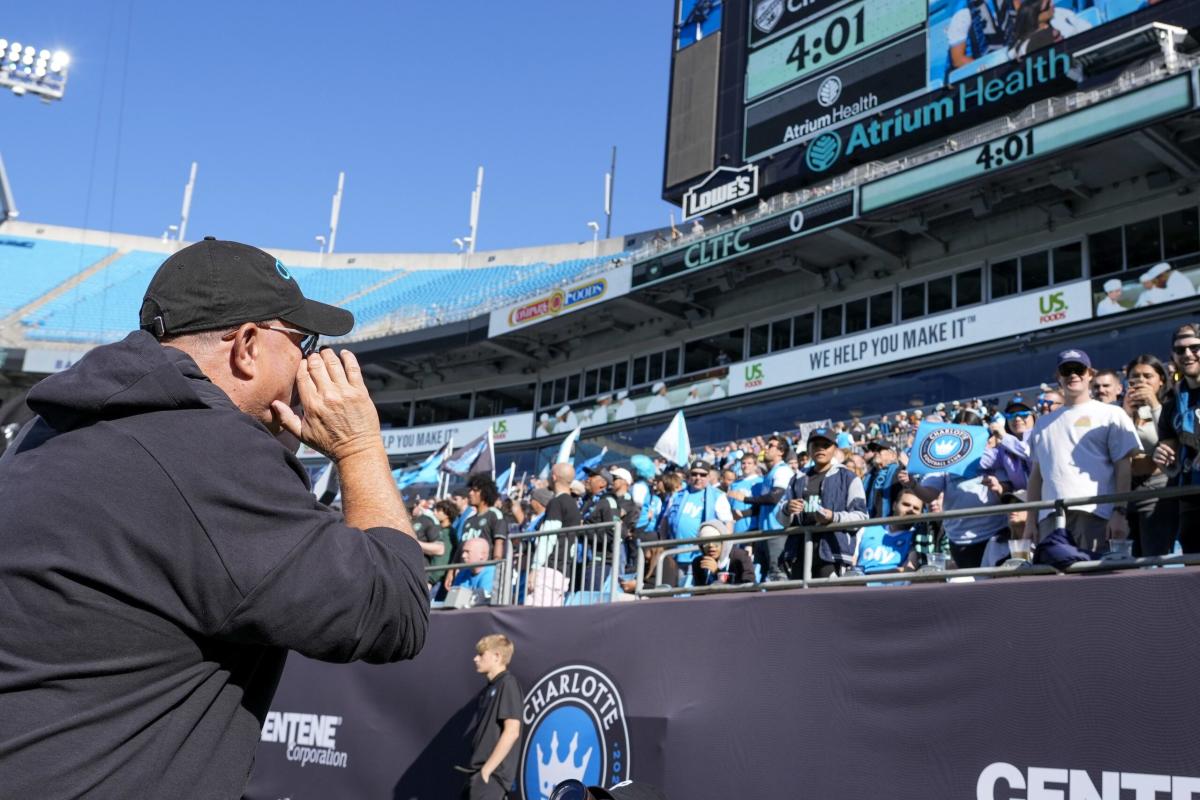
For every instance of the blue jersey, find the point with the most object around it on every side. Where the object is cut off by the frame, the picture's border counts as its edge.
(749, 486)
(781, 473)
(467, 577)
(882, 550)
(689, 510)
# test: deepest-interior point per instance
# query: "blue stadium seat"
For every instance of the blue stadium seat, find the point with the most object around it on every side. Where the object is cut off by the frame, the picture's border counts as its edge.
(29, 268)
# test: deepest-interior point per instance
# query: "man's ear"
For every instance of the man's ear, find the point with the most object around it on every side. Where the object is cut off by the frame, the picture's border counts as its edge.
(246, 351)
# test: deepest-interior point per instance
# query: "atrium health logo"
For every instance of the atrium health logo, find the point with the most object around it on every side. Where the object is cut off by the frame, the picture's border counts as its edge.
(283, 271)
(823, 151)
(576, 724)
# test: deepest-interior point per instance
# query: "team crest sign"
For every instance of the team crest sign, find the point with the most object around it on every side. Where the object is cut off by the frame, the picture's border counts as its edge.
(576, 729)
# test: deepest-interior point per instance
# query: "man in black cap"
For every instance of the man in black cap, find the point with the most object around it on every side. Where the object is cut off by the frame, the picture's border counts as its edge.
(163, 550)
(697, 503)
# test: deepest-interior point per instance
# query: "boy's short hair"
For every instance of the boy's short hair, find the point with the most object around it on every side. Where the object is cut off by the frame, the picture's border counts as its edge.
(497, 642)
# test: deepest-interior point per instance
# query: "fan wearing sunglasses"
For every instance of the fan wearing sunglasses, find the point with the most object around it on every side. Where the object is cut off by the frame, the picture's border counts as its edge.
(162, 547)
(1179, 433)
(1083, 449)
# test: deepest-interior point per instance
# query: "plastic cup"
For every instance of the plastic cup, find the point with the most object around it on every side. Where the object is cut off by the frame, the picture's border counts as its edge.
(1120, 548)
(723, 577)
(1021, 549)
(937, 561)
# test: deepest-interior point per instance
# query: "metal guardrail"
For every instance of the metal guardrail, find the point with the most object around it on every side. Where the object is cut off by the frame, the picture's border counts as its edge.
(580, 565)
(1060, 507)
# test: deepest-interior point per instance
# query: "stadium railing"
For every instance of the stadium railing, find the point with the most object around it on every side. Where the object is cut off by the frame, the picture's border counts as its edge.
(580, 565)
(1059, 507)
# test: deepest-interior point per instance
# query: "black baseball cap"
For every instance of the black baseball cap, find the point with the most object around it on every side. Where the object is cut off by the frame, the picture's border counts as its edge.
(822, 433)
(598, 472)
(214, 284)
(700, 465)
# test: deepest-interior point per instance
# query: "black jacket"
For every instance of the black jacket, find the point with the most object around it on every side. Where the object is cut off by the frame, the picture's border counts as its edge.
(162, 552)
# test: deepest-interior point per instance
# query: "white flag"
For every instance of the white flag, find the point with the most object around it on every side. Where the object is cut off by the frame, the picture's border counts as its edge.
(674, 444)
(564, 451)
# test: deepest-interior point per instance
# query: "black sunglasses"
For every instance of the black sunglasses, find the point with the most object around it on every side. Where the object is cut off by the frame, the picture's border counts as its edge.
(1072, 368)
(1179, 350)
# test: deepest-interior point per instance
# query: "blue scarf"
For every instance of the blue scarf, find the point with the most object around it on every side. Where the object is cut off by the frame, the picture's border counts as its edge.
(1185, 422)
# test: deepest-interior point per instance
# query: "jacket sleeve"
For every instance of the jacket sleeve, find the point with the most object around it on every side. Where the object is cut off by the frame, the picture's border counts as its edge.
(781, 514)
(856, 504)
(301, 577)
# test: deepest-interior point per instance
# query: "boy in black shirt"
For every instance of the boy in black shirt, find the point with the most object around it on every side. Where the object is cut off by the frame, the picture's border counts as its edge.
(496, 728)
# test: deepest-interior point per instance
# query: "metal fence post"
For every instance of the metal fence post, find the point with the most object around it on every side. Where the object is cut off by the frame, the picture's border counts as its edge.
(618, 556)
(806, 574)
(506, 575)
(1060, 514)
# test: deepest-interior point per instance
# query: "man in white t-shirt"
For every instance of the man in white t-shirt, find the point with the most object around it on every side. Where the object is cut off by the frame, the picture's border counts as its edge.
(1081, 450)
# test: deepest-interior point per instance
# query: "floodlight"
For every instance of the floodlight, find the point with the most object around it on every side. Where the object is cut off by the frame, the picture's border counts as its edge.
(24, 69)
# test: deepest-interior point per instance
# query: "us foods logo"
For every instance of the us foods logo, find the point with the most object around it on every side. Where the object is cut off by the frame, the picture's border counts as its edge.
(500, 429)
(309, 738)
(823, 151)
(1053, 308)
(576, 724)
(755, 375)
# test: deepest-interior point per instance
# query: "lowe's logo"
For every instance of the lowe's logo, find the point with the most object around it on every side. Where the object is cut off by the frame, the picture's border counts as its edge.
(723, 187)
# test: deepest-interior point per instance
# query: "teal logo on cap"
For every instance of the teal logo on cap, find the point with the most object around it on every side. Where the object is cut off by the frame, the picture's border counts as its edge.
(282, 270)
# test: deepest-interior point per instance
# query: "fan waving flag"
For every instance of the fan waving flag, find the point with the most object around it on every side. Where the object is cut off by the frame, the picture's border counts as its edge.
(584, 466)
(568, 444)
(504, 481)
(475, 456)
(674, 444)
(942, 447)
(426, 472)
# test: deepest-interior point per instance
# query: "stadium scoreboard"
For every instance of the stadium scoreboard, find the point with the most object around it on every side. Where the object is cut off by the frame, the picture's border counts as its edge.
(807, 89)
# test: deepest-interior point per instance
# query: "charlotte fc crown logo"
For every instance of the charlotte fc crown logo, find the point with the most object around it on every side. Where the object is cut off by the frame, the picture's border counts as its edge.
(576, 724)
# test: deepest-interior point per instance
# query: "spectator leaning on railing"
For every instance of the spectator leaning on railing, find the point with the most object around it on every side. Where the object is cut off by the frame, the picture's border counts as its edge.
(1081, 450)
(694, 506)
(1178, 450)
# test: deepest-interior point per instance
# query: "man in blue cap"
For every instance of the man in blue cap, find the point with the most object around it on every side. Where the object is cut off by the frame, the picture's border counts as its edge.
(1081, 450)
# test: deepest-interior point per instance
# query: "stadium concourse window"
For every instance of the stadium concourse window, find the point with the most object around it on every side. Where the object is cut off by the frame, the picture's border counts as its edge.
(1037, 270)
(442, 409)
(713, 351)
(1145, 242)
(508, 400)
(655, 367)
(603, 380)
(781, 334)
(395, 415)
(942, 293)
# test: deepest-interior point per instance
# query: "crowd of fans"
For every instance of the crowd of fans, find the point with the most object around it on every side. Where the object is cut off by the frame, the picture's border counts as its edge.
(1094, 431)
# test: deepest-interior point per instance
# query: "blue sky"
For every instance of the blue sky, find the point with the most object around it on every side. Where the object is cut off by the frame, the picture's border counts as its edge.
(273, 98)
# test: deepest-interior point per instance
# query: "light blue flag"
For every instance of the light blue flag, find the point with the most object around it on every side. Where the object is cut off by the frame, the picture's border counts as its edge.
(502, 482)
(675, 445)
(943, 447)
(425, 472)
(584, 466)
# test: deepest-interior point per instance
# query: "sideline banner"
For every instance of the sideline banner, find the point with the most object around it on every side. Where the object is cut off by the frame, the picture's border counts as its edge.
(996, 690)
(557, 302)
(1059, 305)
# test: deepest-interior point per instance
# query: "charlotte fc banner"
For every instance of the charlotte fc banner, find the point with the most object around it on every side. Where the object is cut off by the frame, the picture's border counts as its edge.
(945, 447)
(926, 691)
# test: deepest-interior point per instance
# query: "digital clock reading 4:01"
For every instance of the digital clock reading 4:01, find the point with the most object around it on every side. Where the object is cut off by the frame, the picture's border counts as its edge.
(829, 39)
(841, 31)
(1006, 151)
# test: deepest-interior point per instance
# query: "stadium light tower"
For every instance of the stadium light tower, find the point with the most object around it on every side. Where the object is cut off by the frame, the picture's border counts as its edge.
(8, 206)
(26, 69)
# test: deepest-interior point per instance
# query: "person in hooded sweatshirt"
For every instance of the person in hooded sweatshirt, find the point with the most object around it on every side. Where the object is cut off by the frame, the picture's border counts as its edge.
(163, 550)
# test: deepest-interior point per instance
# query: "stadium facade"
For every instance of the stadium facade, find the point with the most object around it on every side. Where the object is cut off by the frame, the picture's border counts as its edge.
(941, 240)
